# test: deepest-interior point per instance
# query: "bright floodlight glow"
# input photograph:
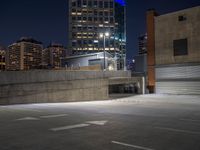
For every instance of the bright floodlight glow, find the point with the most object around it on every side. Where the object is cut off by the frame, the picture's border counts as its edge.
(107, 34)
(101, 35)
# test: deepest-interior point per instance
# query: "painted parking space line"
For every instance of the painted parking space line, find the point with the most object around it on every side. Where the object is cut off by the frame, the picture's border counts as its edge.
(70, 127)
(54, 116)
(27, 118)
(41, 117)
(178, 130)
(100, 123)
(130, 145)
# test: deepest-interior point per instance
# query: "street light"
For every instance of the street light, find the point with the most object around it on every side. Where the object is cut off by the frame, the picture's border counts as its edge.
(104, 35)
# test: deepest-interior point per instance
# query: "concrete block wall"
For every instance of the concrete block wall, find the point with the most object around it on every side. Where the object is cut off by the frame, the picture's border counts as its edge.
(169, 28)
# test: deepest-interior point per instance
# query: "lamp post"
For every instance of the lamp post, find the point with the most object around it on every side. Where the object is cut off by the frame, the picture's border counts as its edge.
(104, 35)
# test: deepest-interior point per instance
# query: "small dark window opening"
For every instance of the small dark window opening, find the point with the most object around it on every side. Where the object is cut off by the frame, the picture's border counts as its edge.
(182, 18)
(180, 47)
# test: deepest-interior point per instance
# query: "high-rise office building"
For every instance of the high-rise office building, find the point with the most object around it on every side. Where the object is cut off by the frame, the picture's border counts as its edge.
(25, 54)
(2, 58)
(140, 60)
(142, 43)
(89, 18)
(53, 55)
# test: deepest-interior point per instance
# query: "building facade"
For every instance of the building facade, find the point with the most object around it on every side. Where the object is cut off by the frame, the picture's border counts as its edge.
(89, 18)
(2, 58)
(140, 60)
(177, 51)
(142, 43)
(52, 56)
(25, 54)
(92, 61)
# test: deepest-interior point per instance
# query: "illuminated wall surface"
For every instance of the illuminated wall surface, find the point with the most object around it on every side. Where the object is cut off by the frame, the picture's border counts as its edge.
(89, 18)
(177, 53)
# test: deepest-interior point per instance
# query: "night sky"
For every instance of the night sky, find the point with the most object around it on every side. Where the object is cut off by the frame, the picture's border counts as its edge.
(46, 20)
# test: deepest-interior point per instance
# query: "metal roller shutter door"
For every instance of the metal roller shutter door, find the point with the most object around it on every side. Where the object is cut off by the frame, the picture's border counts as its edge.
(178, 87)
(178, 79)
(179, 72)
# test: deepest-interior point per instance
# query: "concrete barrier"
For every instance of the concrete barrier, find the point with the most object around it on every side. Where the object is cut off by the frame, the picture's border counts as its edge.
(15, 77)
(55, 86)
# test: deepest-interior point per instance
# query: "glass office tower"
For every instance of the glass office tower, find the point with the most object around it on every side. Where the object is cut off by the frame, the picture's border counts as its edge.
(89, 18)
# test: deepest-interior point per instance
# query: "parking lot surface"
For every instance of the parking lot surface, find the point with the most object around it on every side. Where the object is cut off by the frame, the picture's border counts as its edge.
(149, 122)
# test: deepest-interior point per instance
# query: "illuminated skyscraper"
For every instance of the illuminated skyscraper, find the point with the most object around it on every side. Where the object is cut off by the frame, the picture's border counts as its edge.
(89, 18)
(53, 54)
(25, 54)
(2, 58)
(142, 42)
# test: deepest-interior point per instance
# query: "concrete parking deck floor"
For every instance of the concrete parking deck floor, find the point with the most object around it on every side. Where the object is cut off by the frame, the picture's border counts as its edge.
(149, 122)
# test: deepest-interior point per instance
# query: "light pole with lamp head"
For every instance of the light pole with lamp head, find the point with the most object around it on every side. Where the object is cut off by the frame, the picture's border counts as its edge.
(104, 35)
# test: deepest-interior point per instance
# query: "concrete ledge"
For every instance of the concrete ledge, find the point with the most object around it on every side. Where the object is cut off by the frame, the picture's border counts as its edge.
(15, 77)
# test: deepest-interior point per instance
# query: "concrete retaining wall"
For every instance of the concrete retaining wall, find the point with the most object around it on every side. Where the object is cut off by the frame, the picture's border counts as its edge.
(11, 77)
(54, 86)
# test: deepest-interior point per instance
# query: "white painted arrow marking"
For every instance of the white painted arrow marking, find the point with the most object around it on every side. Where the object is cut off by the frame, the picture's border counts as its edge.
(100, 123)
(27, 118)
(70, 127)
(88, 123)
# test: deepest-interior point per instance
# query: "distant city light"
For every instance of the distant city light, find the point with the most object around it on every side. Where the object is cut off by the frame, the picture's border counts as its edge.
(101, 35)
(107, 34)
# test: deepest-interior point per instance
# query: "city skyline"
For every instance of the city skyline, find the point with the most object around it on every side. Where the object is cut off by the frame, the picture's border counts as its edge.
(46, 21)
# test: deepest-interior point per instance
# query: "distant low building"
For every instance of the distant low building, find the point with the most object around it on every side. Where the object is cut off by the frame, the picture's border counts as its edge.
(140, 64)
(25, 54)
(2, 58)
(53, 56)
(140, 60)
(93, 61)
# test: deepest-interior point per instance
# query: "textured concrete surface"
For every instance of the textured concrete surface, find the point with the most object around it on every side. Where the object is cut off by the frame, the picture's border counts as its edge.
(169, 28)
(55, 86)
(10, 77)
(178, 74)
(150, 122)
(57, 91)
(58, 86)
